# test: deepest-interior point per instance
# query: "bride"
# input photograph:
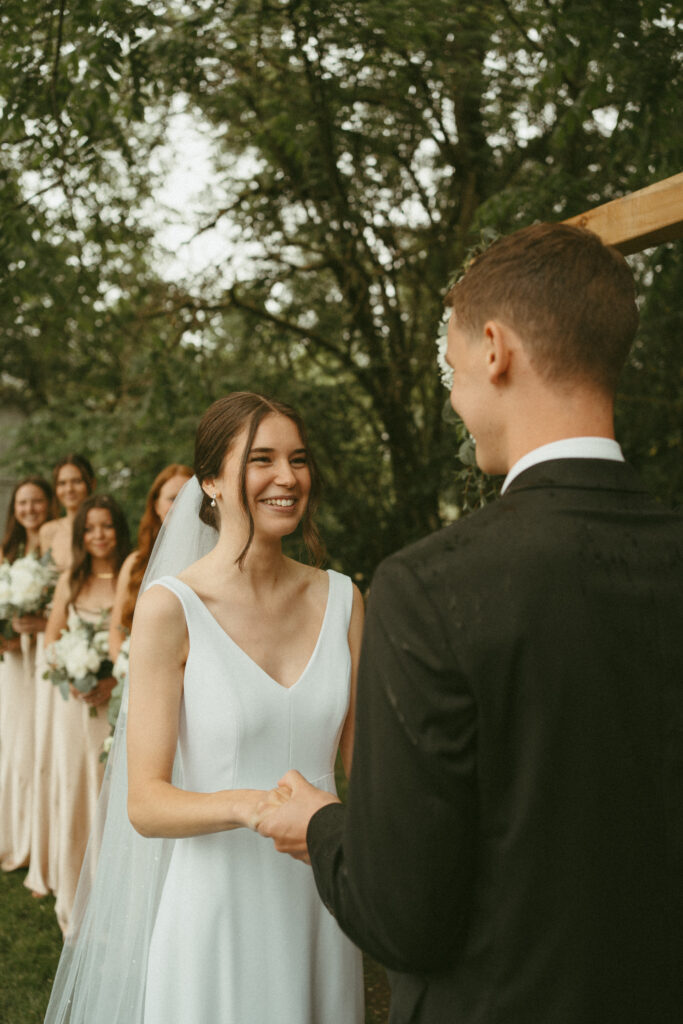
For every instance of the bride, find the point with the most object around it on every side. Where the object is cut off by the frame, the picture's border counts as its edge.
(242, 665)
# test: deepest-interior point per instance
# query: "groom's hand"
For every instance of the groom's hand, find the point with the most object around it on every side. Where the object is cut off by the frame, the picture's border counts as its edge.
(286, 821)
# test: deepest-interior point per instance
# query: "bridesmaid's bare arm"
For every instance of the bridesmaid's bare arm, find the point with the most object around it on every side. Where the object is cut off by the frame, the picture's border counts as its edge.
(46, 535)
(58, 614)
(116, 631)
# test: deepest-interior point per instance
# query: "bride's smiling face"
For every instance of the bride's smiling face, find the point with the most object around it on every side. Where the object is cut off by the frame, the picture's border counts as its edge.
(277, 480)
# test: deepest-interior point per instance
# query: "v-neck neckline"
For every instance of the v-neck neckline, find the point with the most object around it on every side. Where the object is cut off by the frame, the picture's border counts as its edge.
(280, 686)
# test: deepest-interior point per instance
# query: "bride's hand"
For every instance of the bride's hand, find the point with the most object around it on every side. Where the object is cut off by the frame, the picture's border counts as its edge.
(251, 805)
(287, 822)
(269, 802)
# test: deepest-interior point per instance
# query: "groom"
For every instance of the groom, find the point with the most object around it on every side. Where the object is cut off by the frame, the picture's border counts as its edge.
(512, 845)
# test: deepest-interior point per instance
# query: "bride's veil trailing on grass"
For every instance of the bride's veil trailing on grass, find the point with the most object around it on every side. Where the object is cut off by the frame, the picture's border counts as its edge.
(102, 971)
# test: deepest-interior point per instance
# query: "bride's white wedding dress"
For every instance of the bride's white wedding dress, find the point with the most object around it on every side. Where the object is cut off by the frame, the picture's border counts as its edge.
(241, 936)
(216, 929)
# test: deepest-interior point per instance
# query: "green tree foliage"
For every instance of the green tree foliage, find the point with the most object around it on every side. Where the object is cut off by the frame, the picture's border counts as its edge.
(650, 399)
(362, 148)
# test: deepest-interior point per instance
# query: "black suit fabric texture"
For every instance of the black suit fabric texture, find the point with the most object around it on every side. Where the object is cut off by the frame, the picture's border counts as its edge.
(512, 843)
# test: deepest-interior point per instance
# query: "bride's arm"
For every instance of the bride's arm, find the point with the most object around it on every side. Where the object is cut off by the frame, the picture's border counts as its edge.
(159, 650)
(355, 636)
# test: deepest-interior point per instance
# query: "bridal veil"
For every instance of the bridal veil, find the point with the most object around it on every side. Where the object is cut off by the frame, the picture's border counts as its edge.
(102, 971)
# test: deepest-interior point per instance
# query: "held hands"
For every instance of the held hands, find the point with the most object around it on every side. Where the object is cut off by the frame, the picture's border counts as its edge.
(284, 814)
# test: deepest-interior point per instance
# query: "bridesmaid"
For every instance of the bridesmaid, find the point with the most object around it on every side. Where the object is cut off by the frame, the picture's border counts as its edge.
(73, 479)
(30, 505)
(161, 496)
(100, 545)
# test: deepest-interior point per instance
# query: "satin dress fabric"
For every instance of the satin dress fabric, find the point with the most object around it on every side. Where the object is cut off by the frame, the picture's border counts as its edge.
(241, 934)
(17, 714)
(41, 876)
(78, 739)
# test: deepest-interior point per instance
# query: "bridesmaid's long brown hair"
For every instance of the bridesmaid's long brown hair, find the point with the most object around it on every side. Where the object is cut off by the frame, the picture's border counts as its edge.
(15, 533)
(83, 466)
(82, 564)
(148, 531)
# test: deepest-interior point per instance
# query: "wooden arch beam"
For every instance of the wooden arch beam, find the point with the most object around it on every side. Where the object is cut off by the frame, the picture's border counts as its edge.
(650, 216)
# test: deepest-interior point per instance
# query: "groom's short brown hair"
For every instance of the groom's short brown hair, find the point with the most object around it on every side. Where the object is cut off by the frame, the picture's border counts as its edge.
(570, 298)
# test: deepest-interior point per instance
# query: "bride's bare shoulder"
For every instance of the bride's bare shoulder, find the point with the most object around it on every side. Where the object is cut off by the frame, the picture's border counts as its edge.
(159, 608)
(160, 635)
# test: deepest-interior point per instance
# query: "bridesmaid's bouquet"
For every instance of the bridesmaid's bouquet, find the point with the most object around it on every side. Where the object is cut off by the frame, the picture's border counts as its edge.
(119, 672)
(26, 587)
(80, 657)
(5, 600)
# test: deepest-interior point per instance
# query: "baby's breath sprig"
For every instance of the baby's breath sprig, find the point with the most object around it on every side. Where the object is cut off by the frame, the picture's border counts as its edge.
(473, 488)
(487, 236)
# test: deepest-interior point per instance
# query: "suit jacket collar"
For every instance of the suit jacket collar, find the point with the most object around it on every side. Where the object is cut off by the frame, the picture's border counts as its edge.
(592, 474)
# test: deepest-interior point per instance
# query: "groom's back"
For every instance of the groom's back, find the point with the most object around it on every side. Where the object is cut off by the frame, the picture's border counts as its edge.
(565, 601)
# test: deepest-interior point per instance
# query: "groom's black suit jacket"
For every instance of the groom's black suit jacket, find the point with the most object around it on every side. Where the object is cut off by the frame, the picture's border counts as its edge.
(512, 842)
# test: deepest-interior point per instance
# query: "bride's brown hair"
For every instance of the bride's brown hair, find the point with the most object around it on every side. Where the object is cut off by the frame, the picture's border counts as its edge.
(217, 430)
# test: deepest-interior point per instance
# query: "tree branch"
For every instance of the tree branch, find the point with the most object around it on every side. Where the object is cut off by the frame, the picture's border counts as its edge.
(28, 199)
(286, 325)
(514, 20)
(55, 64)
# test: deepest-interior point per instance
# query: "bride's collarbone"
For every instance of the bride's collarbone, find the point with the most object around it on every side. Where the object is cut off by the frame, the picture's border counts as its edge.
(301, 597)
(287, 623)
(280, 634)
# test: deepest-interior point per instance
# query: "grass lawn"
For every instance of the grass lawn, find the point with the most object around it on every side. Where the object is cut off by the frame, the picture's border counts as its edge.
(30, 944)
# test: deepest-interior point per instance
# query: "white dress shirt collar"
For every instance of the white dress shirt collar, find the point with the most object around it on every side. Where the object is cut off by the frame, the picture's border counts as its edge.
(567, 448)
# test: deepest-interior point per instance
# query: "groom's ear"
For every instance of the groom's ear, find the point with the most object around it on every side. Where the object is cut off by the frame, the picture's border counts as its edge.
(499, 344)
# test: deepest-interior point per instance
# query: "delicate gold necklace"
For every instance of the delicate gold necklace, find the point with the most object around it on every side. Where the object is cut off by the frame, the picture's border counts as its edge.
(104, 575)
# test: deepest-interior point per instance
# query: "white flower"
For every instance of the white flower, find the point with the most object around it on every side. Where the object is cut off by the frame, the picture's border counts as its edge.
(78, 655)
(78, 661)
(445, 371)
(27, 586)
(120, 670)
(32, 581)
(94, 659)
(100, 642)
(77, 668)
(5, 591)
(74, 623)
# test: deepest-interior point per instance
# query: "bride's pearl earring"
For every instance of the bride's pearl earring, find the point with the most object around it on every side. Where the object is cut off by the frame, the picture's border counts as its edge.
(213, 501)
